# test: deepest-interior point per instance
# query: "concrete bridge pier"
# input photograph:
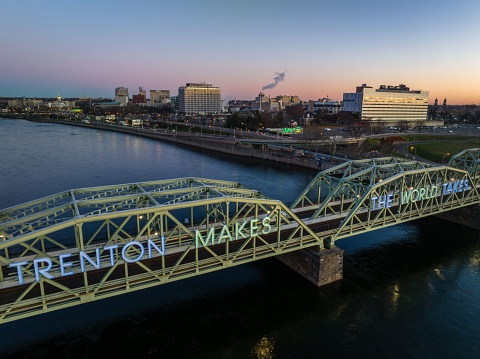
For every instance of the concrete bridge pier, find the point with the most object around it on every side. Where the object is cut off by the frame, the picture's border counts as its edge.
(319, 266)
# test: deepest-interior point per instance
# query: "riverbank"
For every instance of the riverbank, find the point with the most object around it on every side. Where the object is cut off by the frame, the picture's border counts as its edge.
(230, 146)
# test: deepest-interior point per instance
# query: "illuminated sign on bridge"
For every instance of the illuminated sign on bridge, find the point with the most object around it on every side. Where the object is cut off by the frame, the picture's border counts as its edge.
(419, 194)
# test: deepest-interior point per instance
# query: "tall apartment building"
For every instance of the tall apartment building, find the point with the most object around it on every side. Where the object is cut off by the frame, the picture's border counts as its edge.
(199, 98)
(121, 96)
(387, 103)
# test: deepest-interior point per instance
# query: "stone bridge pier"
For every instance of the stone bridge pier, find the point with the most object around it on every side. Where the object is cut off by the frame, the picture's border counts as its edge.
(319, 266)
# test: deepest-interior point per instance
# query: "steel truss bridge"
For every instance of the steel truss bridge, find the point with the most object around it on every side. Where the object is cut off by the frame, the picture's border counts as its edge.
(88, 244)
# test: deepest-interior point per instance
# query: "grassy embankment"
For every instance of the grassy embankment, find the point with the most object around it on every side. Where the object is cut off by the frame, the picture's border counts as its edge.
(440, 150)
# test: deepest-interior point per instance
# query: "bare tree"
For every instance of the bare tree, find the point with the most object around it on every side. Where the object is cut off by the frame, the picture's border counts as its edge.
(373, 127)
(419, 125)
(402, 125)
(295, 113)
(331, 144)
(311, 136)
(357, 130)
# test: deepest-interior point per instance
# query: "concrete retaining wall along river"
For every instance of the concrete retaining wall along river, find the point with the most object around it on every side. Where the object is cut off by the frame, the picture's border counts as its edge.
(227, 145)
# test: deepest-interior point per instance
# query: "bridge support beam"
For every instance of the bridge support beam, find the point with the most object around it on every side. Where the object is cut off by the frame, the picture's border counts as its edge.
(320, 267)
(466, 216)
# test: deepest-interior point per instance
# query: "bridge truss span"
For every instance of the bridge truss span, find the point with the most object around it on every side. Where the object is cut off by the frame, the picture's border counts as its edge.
(87, 244)
(364, 195)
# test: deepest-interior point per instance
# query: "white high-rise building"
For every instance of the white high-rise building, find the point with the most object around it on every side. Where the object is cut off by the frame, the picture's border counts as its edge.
(199, 98)
(121, 95)
(387, 103)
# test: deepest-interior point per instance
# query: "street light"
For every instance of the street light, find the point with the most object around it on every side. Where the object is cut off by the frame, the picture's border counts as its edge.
(413, 149)
(446, 154)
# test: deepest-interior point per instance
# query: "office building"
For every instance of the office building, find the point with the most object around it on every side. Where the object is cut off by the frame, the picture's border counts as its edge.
(139, 99)
(121, 95)
(160, 96)
(286, 101)
(199, 98)
(174, 103)
(324, 105)
(387, 103)
(265, 103)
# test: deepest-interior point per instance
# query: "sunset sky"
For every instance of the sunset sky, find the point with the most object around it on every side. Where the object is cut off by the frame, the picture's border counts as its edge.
(325, 47)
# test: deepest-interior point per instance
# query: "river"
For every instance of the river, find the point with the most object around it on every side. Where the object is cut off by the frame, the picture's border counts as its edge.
(409, 291)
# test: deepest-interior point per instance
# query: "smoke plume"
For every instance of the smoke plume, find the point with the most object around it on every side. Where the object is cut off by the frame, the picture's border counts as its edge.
(279, 77)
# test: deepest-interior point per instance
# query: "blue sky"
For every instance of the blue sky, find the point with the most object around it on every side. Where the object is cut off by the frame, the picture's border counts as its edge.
(326, 47)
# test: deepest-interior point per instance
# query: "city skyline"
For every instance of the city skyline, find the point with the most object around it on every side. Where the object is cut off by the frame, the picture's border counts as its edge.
(312, 49)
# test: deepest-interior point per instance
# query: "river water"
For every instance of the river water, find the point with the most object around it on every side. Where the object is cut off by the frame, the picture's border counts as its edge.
(409, 291)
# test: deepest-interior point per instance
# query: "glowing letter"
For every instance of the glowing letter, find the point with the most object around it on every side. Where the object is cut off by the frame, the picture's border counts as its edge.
(225, 234)
(43, 271)
(112, 254)
(151, 244)
(389, 199)
(422, 193)
(415, 198)
(210, 237)
(239, 228)
(65, 264)
(405, 197)
(128, 245)
(382, 201)
(82, 255)
(253, 228)
(266, 225)
(445, 188)
(455, 187)
(19, 270)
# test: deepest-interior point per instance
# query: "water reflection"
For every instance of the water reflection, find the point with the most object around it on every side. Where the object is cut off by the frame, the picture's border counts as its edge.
(263, 349)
